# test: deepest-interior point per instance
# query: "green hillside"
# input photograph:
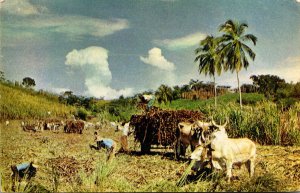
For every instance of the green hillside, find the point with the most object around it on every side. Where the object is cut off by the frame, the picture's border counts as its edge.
(21, 103)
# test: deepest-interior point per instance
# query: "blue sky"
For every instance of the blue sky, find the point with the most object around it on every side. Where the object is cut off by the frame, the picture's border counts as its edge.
(108, 48)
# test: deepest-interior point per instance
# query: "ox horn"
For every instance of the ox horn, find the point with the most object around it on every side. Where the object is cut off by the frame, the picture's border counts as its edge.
(202, 136)
(214, 123)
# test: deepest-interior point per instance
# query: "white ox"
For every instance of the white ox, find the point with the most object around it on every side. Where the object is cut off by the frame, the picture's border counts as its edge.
(116, 126)
(227, 151)
(88, 125)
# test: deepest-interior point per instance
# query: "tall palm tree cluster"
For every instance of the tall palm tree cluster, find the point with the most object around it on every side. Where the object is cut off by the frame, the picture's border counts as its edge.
(227, 52)
(164, 94)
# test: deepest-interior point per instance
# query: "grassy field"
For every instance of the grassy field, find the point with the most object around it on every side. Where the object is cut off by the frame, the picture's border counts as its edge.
(67, 164)
(277, 167)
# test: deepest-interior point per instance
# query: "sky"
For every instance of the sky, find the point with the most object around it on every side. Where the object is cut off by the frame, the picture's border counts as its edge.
(109, 48)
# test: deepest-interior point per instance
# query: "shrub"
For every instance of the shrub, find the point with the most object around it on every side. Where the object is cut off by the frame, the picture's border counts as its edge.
(82, 113)
(286, 103)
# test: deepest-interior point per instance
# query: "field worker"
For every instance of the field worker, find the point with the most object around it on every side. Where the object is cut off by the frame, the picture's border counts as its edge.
(124, 138)
(108, 144)
(25, 171)
(149, 100)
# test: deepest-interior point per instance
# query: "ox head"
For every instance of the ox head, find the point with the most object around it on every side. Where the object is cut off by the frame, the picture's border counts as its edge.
(218, 131)
(203, 130)
(198, 153)
(220, 127)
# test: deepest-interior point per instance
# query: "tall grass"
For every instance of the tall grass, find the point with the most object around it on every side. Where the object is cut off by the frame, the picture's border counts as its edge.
(291, 128)
(263, 123)
(17, 104)
(248, 98)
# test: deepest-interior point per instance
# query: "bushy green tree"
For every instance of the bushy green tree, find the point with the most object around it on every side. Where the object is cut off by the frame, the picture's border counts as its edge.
(268, 84)
(2, 77)
(164, 94)
(296, 90)
(28, 82)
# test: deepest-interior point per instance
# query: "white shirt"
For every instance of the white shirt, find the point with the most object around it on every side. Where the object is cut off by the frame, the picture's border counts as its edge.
(125, 129)
(148, 97)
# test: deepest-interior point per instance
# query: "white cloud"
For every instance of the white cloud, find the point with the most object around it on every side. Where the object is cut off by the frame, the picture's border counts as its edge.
(182, 42)
(155, 58)
(72, 26)
(289, 69)
(159, 77)
(58, 90)
(21, 7)
(79, 25)
(93, 62)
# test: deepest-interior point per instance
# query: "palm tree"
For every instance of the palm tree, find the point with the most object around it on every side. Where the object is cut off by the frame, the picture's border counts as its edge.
(234, 48)
(196, 84)
(164, 94)
(209, 60)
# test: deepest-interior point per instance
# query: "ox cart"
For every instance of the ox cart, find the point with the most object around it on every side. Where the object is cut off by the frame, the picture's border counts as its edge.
(159, 127)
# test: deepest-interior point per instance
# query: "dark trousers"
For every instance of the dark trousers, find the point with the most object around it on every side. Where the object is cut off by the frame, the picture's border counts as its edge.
(18, 176)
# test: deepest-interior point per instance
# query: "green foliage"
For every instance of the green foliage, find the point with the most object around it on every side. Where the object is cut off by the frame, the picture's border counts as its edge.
(291, 130)
(208, 55)
(276, 89)
(286, 103)
(161, 185)
(248, 88)
(268, 84)
(118, 109)
(296, 90)
(82, 113)
(252, 98)
(261, 123)
(2, 77)
(28, 82)
(164, 94)
(176, 94)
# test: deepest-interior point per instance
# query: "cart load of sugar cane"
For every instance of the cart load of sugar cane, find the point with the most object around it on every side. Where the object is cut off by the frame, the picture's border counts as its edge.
(158, 127)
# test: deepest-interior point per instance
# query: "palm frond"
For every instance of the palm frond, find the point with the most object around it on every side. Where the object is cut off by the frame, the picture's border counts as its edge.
(241, 29)
(250, 37)
(244, 61)
(249, 51)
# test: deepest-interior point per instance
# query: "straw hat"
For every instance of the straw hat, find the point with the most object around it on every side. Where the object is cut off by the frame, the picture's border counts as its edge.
(34, 163)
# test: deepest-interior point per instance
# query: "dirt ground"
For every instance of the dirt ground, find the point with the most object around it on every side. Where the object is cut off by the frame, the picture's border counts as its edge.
(18, 146)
